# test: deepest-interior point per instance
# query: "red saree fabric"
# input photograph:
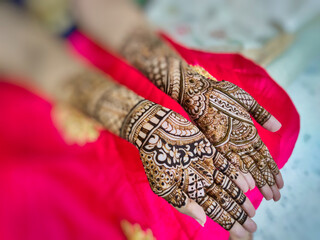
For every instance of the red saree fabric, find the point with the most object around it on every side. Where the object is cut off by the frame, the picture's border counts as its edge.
(52, 190)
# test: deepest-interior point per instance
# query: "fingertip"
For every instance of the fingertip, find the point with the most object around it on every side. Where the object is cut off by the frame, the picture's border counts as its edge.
(272, 124)
(242, 183)
(250, 225)
(279, 180)
(195, 211)
(266, 192)
(250, 181)
(249, 208)
(238, 230)
(276, 193)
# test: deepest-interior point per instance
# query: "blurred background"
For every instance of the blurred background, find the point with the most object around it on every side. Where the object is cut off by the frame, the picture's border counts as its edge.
(284, 38)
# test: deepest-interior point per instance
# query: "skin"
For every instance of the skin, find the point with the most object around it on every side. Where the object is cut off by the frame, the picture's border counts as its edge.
(56, 73)
(135, 40)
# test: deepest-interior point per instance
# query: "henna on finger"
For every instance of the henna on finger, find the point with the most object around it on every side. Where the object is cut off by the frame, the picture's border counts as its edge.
(176, 155)
(262, 164)
(255, 172)
(221, 110)
(246, 100)
(263, 150)
(216, 212)
(227, 203)
(225, 183)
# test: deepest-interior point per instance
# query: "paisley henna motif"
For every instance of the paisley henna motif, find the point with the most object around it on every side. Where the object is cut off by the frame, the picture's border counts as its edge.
(220, 109)
(179, 162)
(178, 159)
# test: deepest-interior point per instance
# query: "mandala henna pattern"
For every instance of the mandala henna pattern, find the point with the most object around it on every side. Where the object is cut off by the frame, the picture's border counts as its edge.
(178, 159)
(219, 108)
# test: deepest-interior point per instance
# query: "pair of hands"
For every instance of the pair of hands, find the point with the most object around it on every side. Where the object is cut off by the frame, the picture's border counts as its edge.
(212, 163)
(230, 157)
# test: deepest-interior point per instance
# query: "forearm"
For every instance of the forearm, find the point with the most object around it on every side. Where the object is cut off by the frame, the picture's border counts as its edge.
(138, 43)
(27, 51)
(46, 64)
(108, 21)
(101, 99)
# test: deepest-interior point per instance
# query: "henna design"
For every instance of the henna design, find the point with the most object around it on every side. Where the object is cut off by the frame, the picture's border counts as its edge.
(246, 100)
(178, 161)
(100, 98)
(220, 109)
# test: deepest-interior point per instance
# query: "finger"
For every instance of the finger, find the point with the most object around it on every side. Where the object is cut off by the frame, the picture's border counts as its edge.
(261, 115)
(262, 165)
(272, 124)
(259, 179)
(220, 216)
(239, 231)
(237, 162)
(249, 179)
(179, 200)
(224, 166)
(227, 203)
(266, 192)
(272, 165)
(248, 236)
(216, 213)
(225, 183)
(279, 180)
(264, 118)
(276, 193)
(245, 188)
(193, 210)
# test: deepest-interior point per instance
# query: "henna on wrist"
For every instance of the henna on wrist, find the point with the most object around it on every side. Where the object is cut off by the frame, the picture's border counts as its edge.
(101, 98)
(220, 109)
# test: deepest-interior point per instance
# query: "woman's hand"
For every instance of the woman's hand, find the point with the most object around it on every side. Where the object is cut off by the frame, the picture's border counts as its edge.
(180, 165)
(220, 109)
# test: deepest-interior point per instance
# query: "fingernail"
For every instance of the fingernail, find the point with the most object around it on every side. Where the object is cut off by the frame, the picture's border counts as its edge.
(200, 222)
(272, 124)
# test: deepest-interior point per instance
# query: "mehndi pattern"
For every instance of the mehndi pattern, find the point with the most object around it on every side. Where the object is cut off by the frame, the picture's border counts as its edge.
(179, 161)
(219, 108)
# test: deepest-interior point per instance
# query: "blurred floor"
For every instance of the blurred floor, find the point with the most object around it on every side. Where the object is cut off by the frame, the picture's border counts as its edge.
(296, 215)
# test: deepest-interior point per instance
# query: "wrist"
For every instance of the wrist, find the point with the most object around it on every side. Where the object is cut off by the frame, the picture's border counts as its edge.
(141, 121)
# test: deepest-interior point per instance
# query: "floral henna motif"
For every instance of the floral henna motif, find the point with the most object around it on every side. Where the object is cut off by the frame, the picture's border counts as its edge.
(227, 125)
(178, 161)
(246, 100)
(220, 109)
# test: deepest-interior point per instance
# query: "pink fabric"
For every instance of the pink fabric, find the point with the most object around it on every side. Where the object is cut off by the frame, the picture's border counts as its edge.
(51, 190)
